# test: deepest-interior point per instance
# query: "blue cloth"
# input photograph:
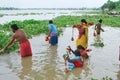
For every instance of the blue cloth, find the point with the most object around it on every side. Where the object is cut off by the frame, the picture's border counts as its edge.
(53, 40)
(71, 66)
(76, 57)
(53, 27)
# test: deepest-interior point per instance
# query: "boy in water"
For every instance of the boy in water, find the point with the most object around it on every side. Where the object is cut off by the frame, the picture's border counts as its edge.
(98, 29)
(20, 36)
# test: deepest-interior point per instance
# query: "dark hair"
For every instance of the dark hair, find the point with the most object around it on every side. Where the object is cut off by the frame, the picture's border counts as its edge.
(83, 20)
(14, 27)
(100, 20)
(80, 47)
(50, 21)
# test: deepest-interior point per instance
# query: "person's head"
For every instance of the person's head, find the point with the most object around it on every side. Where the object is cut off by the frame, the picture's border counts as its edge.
(14, 27)
(83, 21)
(100, 20)
(50, 22)
(80, 47)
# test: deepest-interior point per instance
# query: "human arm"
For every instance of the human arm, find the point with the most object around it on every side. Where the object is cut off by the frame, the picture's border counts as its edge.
(76, 26)
(10, 43)
(95, 27)
(50, 30)
(69, 48)
(84, 52)
(102, 30)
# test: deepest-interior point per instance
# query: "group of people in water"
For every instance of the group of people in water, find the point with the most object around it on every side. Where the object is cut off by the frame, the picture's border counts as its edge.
(81, 42)
(81, 45)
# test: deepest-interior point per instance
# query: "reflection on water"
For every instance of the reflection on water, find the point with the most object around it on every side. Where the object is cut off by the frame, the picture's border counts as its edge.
(47, 62)
(26, 70)
(118, 73)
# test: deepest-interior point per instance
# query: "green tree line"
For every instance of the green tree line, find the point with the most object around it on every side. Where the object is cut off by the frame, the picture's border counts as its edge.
(110, 5)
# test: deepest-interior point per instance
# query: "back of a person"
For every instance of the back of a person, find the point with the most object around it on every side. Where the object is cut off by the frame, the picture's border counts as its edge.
(54, 29)
(98, 26)
(20, 36)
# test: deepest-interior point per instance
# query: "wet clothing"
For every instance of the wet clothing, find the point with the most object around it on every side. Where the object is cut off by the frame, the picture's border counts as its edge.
(53, 27)
(53, 34)
(25, 49)
(54, 39)
(77, 61)
(83, 37)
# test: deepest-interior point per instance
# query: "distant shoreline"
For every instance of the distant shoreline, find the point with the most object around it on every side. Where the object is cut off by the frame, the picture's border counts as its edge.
(11, 8)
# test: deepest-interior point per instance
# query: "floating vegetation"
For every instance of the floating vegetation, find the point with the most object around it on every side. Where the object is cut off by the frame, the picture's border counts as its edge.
(104, 78)
(36, 27)
(98, 44)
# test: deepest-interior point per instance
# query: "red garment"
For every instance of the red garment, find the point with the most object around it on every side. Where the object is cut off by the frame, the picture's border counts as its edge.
(25, 49)
(83, 52)
(81, 29)
(78, 63)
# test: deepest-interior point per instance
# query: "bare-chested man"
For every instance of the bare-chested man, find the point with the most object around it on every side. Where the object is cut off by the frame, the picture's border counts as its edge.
(20, 36)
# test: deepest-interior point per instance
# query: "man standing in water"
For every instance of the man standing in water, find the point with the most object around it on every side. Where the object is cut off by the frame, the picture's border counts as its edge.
(20, 36)
(98, 29)
(52, 33)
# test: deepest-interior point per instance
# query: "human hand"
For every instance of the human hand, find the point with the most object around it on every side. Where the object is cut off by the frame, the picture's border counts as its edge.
(46, 38)
(88, 50)
(66, 70)
(75, 25)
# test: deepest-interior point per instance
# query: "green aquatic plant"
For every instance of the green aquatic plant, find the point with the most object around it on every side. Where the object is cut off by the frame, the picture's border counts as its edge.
(98, 44)
(107, 78)
(93, 79)
(4, 39)
(104, 78)
(36, 27)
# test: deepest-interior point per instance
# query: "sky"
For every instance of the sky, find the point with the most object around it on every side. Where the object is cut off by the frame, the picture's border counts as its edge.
(52, 3)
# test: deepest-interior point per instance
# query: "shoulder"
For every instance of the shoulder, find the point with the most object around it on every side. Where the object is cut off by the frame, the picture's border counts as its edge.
(51, 25)
(21, 30)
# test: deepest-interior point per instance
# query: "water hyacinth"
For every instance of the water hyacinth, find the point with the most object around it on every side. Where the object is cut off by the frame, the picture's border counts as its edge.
(36, 27)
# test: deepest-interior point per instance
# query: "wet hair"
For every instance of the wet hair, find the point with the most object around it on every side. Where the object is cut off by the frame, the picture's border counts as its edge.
(100, 20)
(14, 27)
(83, 20)
(80, 47)
(50, 21)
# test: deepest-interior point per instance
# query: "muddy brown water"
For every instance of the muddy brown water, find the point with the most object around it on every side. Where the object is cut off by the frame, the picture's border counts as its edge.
(47, 62)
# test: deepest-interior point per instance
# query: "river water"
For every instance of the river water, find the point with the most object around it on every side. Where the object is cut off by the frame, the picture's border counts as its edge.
(47, 62)
(21, 15)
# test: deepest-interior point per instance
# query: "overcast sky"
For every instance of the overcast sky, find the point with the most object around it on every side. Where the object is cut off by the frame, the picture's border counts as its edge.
(52, 3)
